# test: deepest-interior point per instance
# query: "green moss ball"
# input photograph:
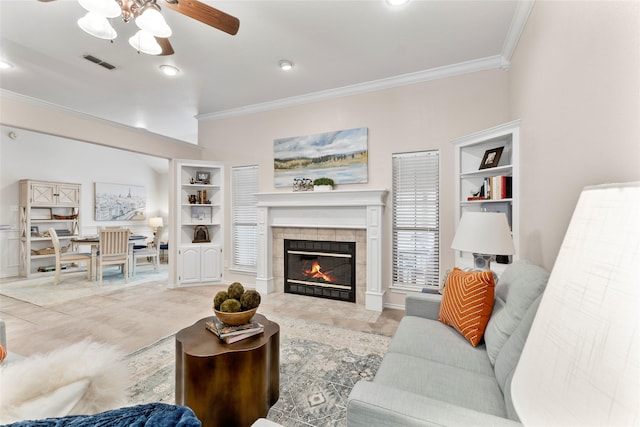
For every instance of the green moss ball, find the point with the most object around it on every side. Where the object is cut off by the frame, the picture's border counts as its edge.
(230, 306)
(250, 299)
(220, 297)
(235, 290)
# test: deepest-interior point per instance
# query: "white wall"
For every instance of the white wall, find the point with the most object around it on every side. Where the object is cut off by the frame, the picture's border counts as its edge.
(575, 85)
(34, 155)
(423, 116)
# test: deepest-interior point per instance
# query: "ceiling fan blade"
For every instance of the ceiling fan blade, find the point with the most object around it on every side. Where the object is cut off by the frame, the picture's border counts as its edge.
(167, 49)
(206, 14)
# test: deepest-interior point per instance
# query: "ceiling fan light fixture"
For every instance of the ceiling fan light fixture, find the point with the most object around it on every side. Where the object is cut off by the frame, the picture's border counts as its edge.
(97, 26)
(286, 65)
(145, 42)
(151, 20)
(105, 8)
(169, 70)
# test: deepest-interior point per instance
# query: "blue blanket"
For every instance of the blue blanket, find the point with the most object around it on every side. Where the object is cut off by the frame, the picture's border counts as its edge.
(148, 415)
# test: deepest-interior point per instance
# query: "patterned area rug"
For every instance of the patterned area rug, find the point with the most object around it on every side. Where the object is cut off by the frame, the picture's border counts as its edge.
(319, 364)
(42, 292)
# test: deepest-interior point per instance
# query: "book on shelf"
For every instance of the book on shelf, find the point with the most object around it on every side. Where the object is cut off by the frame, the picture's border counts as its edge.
(497, 187)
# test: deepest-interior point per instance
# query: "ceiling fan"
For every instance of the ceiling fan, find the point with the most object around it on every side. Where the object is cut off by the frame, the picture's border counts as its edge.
(153, 36)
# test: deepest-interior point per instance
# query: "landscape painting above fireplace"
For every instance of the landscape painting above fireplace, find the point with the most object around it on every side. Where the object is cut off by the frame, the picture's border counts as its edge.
(340, 155)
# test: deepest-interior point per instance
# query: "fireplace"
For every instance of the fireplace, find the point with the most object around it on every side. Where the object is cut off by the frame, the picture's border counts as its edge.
(321, 269)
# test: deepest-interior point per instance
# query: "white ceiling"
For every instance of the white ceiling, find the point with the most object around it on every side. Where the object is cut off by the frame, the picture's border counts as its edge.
(338, 47)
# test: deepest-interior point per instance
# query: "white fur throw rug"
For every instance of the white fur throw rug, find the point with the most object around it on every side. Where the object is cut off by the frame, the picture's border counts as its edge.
(84, 378)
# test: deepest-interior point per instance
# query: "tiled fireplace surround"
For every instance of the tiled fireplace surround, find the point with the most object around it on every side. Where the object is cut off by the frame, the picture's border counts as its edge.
(353, 216)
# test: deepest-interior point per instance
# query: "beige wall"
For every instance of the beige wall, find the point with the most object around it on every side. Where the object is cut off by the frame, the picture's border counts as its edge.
(423, 116)
(575, 85)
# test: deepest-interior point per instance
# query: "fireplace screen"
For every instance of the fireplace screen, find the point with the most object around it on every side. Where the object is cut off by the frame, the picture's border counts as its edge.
(321, 269)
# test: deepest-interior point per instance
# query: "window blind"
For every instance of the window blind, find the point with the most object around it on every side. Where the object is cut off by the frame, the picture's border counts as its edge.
(416, 245)
(244, 217)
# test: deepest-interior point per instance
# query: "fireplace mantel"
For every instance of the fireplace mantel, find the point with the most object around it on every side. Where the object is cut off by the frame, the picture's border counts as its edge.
(332, 209)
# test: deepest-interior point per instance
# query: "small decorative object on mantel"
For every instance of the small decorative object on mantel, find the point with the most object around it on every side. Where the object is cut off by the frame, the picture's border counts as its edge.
(302, 184)
(323, 184)
(491, 158)
(200, 234)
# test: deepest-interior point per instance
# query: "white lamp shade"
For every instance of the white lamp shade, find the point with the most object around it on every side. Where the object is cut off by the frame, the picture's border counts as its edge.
(156, 222)
(145, 43)
(152, 21)
(97, 26)
(484, 233)
(581, 362)
(104, 8)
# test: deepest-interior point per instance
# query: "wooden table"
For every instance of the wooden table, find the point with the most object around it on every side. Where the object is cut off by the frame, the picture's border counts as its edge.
(228, 384)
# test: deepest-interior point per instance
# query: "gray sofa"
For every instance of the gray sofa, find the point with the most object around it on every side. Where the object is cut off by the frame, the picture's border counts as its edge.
(431, 375)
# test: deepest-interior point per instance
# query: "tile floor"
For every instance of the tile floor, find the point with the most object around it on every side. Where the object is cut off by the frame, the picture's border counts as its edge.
(141, 315)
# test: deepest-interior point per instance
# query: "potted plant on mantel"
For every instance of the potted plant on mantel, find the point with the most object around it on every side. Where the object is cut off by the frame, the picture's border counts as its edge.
(322, 184)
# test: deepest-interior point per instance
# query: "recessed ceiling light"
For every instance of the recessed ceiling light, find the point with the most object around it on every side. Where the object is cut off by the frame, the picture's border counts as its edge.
(169, 70)
(396, 2)
(4, 65)
(286, 65)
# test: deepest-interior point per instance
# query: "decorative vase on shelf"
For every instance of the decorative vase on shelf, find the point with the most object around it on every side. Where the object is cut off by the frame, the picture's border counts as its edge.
(322, 187)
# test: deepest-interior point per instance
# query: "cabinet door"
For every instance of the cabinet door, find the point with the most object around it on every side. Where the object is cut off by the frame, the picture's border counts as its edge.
(210, 263)
(43, 194)
(68, 195)
(189, 264)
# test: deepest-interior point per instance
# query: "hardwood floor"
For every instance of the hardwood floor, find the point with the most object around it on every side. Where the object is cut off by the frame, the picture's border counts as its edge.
(140, 315)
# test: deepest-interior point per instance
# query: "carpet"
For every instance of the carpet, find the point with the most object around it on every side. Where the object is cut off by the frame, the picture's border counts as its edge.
(319, 365)
(42, 292)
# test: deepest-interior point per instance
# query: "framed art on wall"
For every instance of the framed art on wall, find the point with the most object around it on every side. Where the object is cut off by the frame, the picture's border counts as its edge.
(340, 155)
(120, 202)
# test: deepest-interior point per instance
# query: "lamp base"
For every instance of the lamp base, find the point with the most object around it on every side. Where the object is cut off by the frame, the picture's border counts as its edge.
(483, 261)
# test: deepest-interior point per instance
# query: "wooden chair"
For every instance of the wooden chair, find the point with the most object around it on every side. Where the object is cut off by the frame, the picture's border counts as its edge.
(68, 257)
(151, 251)
(113, 249)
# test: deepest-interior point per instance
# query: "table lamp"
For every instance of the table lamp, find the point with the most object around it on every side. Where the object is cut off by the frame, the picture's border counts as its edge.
(155, 222)
(485, 234)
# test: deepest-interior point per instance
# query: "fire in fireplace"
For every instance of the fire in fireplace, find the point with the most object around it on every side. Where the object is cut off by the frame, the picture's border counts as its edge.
(321, 269)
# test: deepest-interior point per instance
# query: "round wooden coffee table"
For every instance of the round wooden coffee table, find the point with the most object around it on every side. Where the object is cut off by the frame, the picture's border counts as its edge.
(228, 384)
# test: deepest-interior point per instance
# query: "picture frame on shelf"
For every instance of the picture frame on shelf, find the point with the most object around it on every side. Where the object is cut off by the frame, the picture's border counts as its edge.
(35, 232)
(203, 176)
(491, 158)
(201, 214)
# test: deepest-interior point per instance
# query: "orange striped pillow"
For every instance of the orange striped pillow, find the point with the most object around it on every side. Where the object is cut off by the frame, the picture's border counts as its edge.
(467, 303)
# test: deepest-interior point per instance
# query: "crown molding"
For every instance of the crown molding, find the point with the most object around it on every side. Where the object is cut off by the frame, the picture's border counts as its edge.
(518, 22)
(488, 63)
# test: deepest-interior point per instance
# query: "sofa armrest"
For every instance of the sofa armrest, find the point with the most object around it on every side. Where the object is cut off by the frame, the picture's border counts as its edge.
(371, 404)
(423, 305)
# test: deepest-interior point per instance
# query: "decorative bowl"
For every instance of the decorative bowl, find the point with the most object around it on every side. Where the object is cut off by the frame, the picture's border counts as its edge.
(238, 318)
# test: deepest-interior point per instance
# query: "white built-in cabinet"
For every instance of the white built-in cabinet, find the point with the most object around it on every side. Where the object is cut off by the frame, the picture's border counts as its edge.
(45, 204)
(196, 222)
(470, 178)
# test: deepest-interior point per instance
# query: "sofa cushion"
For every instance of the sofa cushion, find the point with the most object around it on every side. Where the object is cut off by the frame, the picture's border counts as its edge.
(520, 284)
(450, 384)
(430, 339)
(512, 349)
(467, 302)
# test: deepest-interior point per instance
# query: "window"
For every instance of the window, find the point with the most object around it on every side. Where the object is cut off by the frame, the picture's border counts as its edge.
(244, 217)
(416, 246)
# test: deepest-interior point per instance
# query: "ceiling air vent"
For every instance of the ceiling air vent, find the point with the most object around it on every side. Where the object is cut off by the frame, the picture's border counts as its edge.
(99, 62)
